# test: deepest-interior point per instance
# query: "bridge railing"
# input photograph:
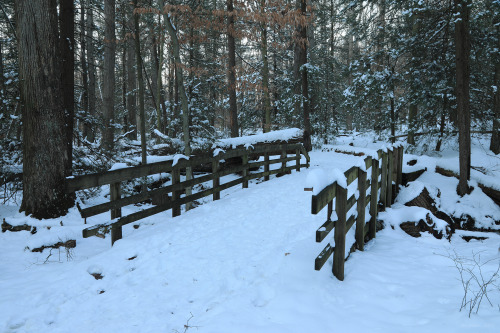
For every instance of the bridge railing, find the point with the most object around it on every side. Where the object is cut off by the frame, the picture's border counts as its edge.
(383, 185)
(170, 197)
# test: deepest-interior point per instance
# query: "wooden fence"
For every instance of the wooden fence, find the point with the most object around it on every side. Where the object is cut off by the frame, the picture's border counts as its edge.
(388, 167)
(161, 196)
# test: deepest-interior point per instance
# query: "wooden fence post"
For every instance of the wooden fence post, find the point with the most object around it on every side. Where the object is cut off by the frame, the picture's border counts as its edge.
(283, 164)
(297, 160)
(390, 165)
(216, 180)
(400, 167)
(245, 171)
(383, 186)
(339, 253)
(374, 198)
(361, 206)
(266, 165)
(176, 178)
(115, 194)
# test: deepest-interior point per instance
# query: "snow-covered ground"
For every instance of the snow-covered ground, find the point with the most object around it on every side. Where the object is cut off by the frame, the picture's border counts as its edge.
(245, 263)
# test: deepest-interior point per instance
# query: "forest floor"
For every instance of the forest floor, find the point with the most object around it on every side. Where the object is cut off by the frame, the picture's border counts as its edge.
(245, 263)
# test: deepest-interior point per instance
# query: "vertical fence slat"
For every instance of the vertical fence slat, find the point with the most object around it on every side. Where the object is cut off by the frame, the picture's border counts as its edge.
(339, 253)
(283, 164)
(361, 206)
(244, 159)
(176, 178)
(115, 194)
(383, 187)
(400, 167)
(297, 160)
(374, 198)
(390, 165)
(216, 180)
(266, 166)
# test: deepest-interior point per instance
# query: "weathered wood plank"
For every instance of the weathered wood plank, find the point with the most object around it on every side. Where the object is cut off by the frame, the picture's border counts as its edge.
(297, 158)
(322, 258)
(349, 223)
(390, 164)
(351, 202)
(351, 175)
(383, 188)
(176, 178)
(320, 200)
(266, 166)
(324, 230)
(115, 194)
(360, 220)
(245, 170)
(374, 199)
(340, 228)
(216, 179)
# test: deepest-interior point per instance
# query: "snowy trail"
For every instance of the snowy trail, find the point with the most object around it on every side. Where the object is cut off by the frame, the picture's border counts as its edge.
(241, 264)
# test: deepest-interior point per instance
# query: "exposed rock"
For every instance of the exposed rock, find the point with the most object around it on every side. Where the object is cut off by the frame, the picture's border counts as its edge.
(14, 228)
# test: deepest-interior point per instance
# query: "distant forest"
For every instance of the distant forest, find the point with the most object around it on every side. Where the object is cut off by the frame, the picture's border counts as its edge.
(95, 78)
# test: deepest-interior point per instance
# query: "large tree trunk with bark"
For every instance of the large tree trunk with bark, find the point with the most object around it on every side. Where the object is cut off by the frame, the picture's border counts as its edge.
(67, 46)
(45, 153)
(90, 129)
(231, 71)
(462, 50)
(184, 99)
(131, 77)
(140, 80)
(109, 77)
(495, 135)
(265, 70)
(301, 48)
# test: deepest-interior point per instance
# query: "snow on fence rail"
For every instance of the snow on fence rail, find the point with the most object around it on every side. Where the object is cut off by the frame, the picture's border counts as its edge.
(381, 192)
(160, 196)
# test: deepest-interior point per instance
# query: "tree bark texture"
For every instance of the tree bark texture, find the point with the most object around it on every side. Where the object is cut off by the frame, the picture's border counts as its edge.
(184, 99)
(140, 80)
(67, 46)
(85, 76)
(265, 71)
(45, 153)
(304, 80)
(462, 52)
(90, 117)
(131, 77)
(231, 70)
(495, 135)
(109, 76)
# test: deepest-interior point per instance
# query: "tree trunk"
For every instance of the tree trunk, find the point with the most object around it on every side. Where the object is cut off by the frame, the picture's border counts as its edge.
(67, 46)
(85, 75)
(495, 135)
(131, 77)
(109, 77)
(462, 50)
(231, 71)
(45, 153)
(141, 86)
(184, 99)
(265, 70)
(90, 117)
(304, 80)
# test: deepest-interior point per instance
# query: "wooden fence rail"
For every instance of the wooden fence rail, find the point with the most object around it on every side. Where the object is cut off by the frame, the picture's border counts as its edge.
(388, 167)
(162, 200)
